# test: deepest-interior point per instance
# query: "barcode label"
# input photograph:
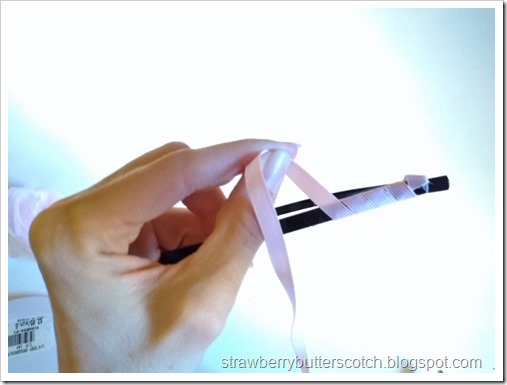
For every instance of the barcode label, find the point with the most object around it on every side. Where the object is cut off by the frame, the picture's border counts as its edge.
(22, 338)
(30, 334)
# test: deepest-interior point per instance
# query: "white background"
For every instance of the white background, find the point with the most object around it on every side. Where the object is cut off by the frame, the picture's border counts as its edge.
(370, 94)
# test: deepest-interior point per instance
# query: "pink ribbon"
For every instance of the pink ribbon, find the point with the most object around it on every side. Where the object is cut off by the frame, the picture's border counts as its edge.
(267, 218)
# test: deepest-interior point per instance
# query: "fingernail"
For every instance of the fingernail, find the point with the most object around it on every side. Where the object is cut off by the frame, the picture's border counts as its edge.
(274, 168)
(292, 148)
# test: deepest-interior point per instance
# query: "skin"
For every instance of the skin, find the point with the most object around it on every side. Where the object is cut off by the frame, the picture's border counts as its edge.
(115, 308)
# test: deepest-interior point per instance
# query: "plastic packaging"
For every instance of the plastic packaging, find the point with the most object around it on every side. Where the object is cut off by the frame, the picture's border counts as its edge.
(24, 205)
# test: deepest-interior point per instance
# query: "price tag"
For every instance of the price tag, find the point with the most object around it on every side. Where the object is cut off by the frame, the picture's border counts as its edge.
(30, 334)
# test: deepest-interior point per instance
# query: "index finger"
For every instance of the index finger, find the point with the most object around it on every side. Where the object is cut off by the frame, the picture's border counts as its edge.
(113, 214)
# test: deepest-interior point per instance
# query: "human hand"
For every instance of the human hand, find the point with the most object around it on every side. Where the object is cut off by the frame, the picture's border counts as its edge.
(115, 308)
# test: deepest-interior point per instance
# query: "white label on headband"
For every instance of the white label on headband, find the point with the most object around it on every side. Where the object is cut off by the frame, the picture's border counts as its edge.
(30, 334)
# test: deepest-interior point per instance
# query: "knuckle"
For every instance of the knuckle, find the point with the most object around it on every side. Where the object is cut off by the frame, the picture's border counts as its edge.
(42, 232)
(176, 145)
(58, 231)
(205, 322)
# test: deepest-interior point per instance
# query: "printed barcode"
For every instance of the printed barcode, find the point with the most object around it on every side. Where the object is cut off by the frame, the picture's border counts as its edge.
(22, 338)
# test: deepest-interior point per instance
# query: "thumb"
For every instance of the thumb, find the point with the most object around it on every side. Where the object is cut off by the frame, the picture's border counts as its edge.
(217, 268)
(237, 235)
